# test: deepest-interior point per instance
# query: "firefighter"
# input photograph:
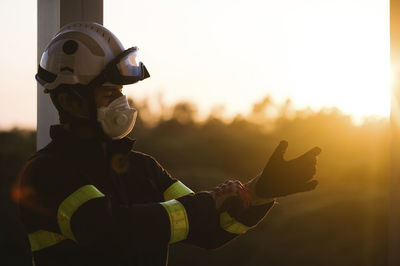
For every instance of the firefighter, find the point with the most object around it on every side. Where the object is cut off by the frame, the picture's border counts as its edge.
(87, 198)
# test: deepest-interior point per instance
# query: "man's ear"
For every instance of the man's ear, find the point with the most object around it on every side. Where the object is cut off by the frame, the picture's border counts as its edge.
(73, 104)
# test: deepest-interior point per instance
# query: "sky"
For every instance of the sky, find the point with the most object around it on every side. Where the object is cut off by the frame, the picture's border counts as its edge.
(319, 53)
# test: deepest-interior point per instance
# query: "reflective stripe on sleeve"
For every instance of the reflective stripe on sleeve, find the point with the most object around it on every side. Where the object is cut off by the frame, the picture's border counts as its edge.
(42, 239)
(228, 223)
(71, 204)
(178, 220)
(176, 190)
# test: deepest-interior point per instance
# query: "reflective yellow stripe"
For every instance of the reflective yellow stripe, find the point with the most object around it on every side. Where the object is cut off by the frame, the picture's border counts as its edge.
(176, 190)
(71, 204)
(228, 223)
(42, 239)
(178, 220)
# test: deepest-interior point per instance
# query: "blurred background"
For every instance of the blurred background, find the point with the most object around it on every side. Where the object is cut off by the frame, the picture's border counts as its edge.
(230, 79)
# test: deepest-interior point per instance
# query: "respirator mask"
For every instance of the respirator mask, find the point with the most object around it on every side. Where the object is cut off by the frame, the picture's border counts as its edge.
(117, 119)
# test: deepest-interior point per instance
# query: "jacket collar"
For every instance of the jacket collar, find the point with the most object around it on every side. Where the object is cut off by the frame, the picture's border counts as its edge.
(61, 134)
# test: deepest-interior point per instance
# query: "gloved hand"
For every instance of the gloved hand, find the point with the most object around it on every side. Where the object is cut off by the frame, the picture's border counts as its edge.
(281, 177)
(231, 194)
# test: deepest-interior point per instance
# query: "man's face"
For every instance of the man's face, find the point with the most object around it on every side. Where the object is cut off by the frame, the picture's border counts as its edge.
(105, 94)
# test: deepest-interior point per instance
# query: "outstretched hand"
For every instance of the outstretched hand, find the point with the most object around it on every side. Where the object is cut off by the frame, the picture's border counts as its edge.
(281, 177)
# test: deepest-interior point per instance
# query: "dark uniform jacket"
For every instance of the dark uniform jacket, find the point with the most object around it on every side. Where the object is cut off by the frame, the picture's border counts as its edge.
(128, 225)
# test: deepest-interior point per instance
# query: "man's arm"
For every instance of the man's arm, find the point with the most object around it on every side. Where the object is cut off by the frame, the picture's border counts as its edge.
(75, 210)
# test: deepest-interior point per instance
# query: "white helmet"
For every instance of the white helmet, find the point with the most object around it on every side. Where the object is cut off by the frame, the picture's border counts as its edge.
(86, 53)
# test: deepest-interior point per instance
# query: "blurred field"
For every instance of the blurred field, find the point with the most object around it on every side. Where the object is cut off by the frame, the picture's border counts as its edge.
(342, 222)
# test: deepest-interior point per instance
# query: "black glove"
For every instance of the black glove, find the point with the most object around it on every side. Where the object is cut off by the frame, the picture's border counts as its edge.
(281, 178)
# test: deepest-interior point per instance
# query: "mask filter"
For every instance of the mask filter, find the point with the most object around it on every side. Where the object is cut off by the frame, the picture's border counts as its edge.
(118, 118)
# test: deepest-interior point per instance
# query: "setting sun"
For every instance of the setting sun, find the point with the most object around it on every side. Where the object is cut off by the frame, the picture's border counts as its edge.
(336, 63)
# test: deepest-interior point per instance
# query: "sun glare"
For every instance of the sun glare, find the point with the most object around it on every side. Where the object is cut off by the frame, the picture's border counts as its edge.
(354, 79)
(342, 63)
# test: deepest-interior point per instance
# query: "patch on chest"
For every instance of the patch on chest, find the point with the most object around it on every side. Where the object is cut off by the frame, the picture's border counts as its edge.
(120, 163)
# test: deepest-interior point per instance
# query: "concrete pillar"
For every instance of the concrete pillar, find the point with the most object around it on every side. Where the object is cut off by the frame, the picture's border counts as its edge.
(52, 15)
(394, 208)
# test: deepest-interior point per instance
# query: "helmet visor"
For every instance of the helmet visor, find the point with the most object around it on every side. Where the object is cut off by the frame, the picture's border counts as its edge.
(129, 65)
(124, 69)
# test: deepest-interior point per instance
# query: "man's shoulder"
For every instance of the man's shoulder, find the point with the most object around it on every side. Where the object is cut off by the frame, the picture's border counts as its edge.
(41, 157)
(146, 160)
(143, 158)
(141, 155)
(152, 169)
(41, 162)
